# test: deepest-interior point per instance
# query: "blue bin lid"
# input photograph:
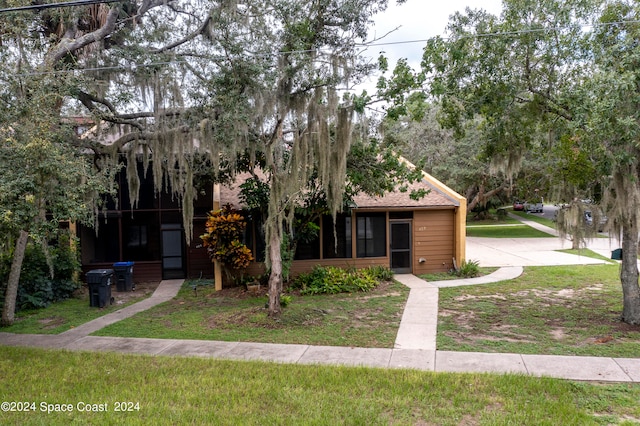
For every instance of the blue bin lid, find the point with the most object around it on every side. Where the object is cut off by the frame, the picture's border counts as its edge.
(123, 264)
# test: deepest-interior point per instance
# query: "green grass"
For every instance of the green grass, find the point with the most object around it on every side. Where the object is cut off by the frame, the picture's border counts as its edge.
(586, 253)
(535, 218)
(494, 221)
(357, 319)
(447, 276)
(507, 231)
(64, 315)
(559, 310)
(171, 391)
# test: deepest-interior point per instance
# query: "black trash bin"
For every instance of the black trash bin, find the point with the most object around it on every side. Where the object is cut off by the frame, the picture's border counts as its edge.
(616, 254)
(99, 281)
(124, 276)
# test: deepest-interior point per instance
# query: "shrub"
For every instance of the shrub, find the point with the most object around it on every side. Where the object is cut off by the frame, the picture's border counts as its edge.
(285, 300)
(37, 288)
(332, 280)
(380, 272)
(468, 269)
(222, 239)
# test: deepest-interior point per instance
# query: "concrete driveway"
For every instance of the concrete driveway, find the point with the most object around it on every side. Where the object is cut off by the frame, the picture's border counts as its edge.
(525, 252)
(534, 251)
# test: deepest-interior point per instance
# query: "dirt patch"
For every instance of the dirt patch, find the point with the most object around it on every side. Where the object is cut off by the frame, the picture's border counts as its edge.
(142, 290)
(51, 322)
(558, 333)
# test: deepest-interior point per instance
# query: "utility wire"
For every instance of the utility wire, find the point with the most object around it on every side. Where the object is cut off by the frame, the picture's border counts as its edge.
(501, 34)
(360, 45)
(56, 5)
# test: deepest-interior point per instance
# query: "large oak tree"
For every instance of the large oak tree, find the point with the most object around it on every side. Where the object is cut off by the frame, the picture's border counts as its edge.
(173, 81)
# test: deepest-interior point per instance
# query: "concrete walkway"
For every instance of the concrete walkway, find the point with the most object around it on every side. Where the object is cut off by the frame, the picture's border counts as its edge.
(415, 345)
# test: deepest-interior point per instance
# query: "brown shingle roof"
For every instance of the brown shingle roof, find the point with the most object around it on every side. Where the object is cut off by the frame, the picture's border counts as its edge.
(397, 199)
(229, 194)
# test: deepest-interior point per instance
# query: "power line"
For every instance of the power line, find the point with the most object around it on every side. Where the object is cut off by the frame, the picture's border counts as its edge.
(56, 5)
(362, 45)
(500, 34)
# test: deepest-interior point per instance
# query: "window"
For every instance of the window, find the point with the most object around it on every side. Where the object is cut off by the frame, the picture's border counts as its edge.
(341, 250)
(254, 237)
(103, 247)
(308, 246)
(141, 236)
(371, 235)
(137, 236)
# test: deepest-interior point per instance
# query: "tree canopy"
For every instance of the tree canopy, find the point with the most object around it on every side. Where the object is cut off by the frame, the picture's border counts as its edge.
(172, 81)
(557, 78)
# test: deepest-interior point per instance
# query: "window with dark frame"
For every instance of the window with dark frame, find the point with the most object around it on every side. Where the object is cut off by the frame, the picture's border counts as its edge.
(371, 235)
(341, 250)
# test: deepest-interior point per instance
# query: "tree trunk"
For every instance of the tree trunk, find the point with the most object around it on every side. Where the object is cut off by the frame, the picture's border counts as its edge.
(575, 243)
(629, 275)
(9, 308)
(275, 277)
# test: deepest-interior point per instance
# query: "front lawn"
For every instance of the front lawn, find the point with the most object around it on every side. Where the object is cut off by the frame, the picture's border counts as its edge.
(67, 314)
(558, 310)
(174, 391)
(506, 231)
(348, 319)
(448, 276)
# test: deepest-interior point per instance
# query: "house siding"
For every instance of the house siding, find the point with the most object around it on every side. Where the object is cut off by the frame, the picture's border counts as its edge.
(301, 266)
(438, 233)
(433, 240)
(142, 271)
(198, 263)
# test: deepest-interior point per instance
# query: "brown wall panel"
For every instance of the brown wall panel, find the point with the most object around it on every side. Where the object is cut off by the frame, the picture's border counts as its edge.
(142, 271)
(198, 262)
(433, 240)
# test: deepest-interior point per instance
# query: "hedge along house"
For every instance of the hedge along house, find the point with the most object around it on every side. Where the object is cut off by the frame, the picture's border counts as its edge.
(409, 236)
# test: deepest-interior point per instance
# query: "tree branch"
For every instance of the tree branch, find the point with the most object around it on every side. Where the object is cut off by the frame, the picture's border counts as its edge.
(136, 136)
(184, 40)
(68, 44)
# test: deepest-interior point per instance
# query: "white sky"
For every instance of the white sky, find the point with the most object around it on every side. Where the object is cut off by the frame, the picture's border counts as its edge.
(417, 20)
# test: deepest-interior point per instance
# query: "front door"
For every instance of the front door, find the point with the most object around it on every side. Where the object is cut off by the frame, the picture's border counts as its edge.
(400, 235)
(172, 251)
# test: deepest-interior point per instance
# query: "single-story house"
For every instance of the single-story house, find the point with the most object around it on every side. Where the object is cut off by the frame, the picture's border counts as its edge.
(406, 235)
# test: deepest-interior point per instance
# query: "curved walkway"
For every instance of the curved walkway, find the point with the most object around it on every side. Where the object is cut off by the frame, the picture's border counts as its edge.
(415, 345)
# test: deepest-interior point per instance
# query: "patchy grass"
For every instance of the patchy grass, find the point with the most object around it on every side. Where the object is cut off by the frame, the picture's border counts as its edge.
(66, 314)
(506, 231)
(447, 276)
(172, 390)
(559, 310)
(355, 319)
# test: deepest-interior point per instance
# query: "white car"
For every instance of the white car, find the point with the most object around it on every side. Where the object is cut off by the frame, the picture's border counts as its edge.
(534, 207)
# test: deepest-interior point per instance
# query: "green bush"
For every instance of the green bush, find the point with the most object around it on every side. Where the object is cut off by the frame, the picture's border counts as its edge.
(285, 300)
(468, 269)
(37, 289)
(332, 280)
(380, 272)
